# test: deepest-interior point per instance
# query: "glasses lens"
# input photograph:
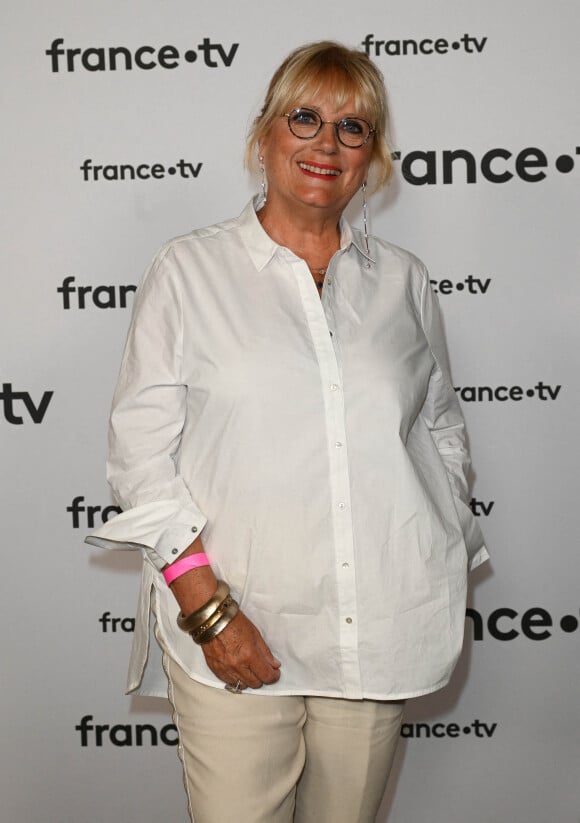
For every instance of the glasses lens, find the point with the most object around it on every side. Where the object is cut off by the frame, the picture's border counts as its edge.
(304, 123)
(353, 132)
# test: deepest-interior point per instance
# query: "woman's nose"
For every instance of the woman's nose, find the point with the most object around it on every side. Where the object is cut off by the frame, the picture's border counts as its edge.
(327, 137)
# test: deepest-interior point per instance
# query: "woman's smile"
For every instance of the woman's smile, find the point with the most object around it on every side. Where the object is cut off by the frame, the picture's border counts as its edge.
(319, 169)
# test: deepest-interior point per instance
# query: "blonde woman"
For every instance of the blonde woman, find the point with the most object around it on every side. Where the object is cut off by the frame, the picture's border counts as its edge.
(289, 454)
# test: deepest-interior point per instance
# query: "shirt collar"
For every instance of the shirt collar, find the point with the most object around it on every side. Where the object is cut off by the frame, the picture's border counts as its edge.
(262, 248)
(259, 245)
(353, 237)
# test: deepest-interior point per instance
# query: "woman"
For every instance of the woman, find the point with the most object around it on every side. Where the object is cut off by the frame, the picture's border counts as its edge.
(285, 423)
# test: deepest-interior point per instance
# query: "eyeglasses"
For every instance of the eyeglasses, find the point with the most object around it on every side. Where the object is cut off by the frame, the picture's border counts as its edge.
(352, 132)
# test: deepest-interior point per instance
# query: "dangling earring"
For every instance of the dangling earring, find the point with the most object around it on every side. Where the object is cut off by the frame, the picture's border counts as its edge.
(365, 217)
(263, 178)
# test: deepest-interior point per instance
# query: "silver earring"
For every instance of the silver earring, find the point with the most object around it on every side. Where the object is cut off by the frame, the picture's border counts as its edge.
(365, 217)
(263, 178)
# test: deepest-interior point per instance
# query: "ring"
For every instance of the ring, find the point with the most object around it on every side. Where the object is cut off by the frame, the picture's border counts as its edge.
(234, 689)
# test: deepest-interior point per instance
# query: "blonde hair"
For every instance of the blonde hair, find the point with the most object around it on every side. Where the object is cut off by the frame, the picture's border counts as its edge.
(339, 71)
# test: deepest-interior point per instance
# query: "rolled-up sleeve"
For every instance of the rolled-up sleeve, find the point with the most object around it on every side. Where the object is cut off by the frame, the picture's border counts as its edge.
(444, 418)
(148, 413)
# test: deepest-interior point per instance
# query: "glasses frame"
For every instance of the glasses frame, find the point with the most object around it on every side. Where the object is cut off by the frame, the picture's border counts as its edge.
(335, 123)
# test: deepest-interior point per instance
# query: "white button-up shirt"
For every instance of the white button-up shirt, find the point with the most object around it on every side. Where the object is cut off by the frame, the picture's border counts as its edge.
(316, 445)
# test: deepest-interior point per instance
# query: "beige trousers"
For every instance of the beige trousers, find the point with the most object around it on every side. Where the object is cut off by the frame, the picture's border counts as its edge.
(250, 758)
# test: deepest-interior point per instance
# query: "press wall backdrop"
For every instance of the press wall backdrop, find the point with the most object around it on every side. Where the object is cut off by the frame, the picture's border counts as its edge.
(123, 124)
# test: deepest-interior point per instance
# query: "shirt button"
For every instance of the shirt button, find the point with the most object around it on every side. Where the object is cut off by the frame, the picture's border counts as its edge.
(367, 265)
(329, 281)
(349, 620)
(194, 529)
(338, 445)
(345, 565)
(333, 387)
(342, 505)
(174, 551)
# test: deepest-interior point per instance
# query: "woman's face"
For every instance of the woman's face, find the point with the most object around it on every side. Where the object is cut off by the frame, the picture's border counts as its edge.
(320, 173)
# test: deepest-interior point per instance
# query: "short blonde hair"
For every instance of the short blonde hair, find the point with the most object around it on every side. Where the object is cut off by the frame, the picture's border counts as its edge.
(343, 73)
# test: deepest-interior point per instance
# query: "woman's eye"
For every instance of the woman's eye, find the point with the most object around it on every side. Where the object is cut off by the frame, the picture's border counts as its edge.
(305, 118)
(352, 126)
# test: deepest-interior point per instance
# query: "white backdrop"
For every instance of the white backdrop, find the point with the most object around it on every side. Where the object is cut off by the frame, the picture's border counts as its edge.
(499, 232)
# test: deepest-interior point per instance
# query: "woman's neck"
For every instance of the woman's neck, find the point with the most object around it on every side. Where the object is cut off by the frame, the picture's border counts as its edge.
(313, 235)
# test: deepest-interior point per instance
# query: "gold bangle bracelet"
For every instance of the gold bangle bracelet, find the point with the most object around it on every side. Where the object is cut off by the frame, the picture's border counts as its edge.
(199, 630)
(227, 616)
(197, 618)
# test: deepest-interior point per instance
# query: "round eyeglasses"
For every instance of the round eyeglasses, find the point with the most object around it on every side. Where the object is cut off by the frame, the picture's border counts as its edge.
(352, 132)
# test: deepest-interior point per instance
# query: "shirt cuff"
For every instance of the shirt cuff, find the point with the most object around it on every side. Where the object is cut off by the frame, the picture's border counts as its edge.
(474, 543)
(162, 530)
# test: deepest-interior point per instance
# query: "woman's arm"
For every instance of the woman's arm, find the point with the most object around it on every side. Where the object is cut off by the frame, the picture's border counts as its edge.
(160, 515)
(442, 413)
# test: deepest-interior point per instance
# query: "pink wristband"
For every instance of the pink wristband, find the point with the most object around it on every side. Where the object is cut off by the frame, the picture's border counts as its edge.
(186, 564)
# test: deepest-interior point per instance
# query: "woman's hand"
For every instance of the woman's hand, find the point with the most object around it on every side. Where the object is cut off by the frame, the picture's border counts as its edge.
(239, 653)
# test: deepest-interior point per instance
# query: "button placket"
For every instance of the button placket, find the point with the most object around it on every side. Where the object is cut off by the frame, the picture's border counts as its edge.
(346, 574)
(322, 328)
